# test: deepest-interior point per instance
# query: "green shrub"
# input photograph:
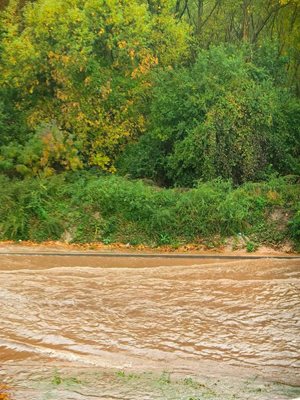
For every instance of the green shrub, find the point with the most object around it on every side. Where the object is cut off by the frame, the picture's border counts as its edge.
(294, 226)
(251, 247)
(89, 207)
(222, 116)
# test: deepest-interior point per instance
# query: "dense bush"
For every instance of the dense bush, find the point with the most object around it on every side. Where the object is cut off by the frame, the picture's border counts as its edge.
(208, 94)
(221, 117)
(295, 227)
(89, 207)
(75, 72)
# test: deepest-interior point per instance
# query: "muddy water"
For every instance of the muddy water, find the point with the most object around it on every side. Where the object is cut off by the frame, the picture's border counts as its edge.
(236, 318)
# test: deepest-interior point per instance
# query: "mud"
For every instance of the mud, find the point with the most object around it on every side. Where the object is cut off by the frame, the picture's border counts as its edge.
(96, 327)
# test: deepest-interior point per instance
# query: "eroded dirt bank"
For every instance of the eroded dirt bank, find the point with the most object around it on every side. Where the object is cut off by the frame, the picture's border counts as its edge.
(82, 327)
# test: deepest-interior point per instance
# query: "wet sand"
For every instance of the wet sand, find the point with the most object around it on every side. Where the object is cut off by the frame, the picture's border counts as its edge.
(214, 320)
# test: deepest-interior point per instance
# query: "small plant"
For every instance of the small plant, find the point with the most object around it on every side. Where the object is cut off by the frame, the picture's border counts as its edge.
(112, 208)
(294, 226)
(163, 239)
(192, 383)
(251, 247)
(127, 376)
(56, 380)
(121, 374)
(175, 245)
(165, 378)
(134, 242)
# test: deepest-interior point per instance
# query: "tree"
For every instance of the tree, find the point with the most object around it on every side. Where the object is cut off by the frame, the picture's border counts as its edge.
(222, 117)
(80, 69)
(247, 21)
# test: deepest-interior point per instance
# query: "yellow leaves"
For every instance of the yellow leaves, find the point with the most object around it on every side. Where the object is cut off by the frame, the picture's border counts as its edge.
(74, 163)
(141, 122)
(285, 2)
(57, 148)
(83, 49)
(12, 60)
(145, 65)
(80, 116)
(36, 116)
(68, 108)
(61, 95)
(273, 196)
(122, 44)
(48, 171)
(131, 54)
(101, 160)
(65, 59)
(106, 90)
(86, 121)
(51, 54)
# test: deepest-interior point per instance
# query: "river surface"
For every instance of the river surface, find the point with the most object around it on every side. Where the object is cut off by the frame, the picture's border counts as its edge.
(190, 317)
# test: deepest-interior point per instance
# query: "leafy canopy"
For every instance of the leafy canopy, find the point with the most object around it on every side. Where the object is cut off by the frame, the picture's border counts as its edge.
(79, 69)
(221, 117)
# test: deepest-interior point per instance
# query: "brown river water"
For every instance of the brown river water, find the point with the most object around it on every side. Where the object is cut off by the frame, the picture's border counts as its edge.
(215, 320)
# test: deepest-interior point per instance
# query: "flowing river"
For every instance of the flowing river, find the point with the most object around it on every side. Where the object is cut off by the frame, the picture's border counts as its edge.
(215, 320)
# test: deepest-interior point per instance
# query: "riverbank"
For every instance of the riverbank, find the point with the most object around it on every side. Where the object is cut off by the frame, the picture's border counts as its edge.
(60, 381)
(57, 247)
(95, 211)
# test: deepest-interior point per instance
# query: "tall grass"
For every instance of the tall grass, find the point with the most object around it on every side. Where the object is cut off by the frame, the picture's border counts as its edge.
(111, 208)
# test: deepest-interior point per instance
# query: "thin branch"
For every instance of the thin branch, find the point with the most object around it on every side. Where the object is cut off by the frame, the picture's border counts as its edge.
(180, 14)
(210, 14)
(274, 11)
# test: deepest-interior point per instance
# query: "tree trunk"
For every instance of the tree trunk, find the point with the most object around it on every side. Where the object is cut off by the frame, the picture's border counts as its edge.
(199, 17)
(246, 21)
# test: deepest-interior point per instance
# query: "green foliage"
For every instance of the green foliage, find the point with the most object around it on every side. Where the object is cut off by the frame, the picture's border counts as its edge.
(251, 247)
(295, 226)
(26, 210)
(80, 80)
(221, 117)
(58, 380)
(78, 71)
(253, 23)
(87, 207)
(165, 378)
(180, 93)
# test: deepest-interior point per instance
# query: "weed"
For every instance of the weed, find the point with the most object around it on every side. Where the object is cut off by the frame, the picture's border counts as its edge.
(294, 226)
(165, 378)
(57, 379)
(192, 383)
(127, 376)
(110, 208)
(163, 239)
(106, 240)
(251, 247)
(120, 374)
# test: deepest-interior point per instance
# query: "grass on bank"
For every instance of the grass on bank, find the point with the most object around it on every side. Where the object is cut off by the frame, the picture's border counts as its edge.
(159, 385)
(84, 207)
